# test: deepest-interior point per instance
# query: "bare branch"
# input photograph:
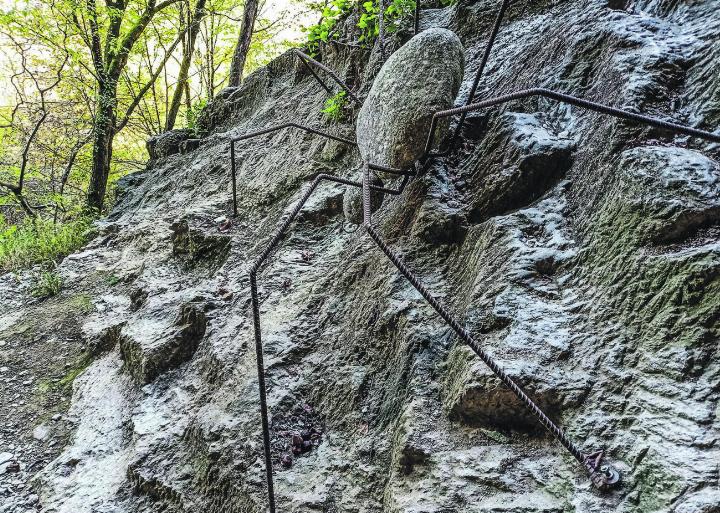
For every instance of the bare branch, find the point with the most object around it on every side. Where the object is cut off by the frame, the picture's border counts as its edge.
(150, 82)
(26, 150)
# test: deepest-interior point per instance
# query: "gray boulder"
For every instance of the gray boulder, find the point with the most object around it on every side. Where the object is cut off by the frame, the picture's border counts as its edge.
(167, 143)
(421, 78)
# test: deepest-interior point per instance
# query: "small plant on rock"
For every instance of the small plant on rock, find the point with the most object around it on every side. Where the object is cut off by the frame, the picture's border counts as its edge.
(48, 284)
(83, 304)
(193, 114)
(112, 279)
(335, 107)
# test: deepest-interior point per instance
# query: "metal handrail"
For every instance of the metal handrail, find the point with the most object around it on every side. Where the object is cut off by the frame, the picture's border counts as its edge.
(315, 131)
(572, 100)
(602, 475)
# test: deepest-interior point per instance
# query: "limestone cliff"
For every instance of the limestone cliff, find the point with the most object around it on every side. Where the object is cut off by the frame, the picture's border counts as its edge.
(582, 251)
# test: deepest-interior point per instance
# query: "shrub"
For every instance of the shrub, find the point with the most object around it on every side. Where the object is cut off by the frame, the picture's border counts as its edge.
(395, 12)
(192, 114)
(336, 10)
(325, 29)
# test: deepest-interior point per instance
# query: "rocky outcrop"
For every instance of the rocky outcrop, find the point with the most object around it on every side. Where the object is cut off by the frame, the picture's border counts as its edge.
(168, 143)
(519, 162)
(151, 346)
(197, 247)
(581, 252)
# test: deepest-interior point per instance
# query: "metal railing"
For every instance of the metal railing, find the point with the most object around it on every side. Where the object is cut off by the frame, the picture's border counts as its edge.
(602, 475)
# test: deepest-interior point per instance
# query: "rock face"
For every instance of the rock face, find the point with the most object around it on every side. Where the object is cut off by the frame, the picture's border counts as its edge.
(583, 254)
(421, 78)
(151, 348)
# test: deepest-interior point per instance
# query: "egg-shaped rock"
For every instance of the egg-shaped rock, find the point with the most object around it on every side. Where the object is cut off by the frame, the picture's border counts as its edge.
(421, 78)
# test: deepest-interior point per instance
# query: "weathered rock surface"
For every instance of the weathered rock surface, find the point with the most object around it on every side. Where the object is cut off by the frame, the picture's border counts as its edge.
(583, 253)
(197, 246)
(421, 78)
(168, 143)
(150, 347)
(519, 162)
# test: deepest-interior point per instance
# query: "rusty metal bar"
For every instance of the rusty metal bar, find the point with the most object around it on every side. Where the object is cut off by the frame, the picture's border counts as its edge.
(392, 170)
(233, 171)
(307, 60)
(481, 69)
(572, 100)
(381, 28)
(603, 476)
(312, 72)
(255, 303)
(311, 130)
(416, 22)
(250, 135)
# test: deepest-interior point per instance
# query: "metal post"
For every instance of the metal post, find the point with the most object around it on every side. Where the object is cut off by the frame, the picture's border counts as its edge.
(263, 392)
(234, 178)
(381, 27)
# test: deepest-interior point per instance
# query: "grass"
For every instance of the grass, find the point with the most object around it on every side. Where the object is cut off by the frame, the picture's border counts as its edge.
(112, 280)
(40, 242)
(82, 304)
(68, 379)
(48, 284)
(47, 388)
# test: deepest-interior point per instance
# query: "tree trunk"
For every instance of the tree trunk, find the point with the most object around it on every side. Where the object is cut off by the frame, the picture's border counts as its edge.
(182, 82)
(104, 132)
(243, 44)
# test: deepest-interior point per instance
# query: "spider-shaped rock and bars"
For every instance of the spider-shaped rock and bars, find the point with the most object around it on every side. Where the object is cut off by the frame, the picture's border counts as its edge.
(603, 475)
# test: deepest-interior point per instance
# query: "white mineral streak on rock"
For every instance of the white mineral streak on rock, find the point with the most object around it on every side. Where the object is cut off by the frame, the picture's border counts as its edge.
(87, 477)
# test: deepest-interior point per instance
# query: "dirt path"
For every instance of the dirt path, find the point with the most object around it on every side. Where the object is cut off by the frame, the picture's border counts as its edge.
(41, 352)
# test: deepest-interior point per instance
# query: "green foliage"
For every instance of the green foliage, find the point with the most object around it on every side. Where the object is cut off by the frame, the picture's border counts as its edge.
(82, 304)
(44, 47)
(337, 10)
(112, 279)
(64, 384)
(325, 29)
(48, 284)
(68, 379)
(40, 242)
(395, 12)
(193, 113)
(368, 22)
(335, 107)
(44, 44)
